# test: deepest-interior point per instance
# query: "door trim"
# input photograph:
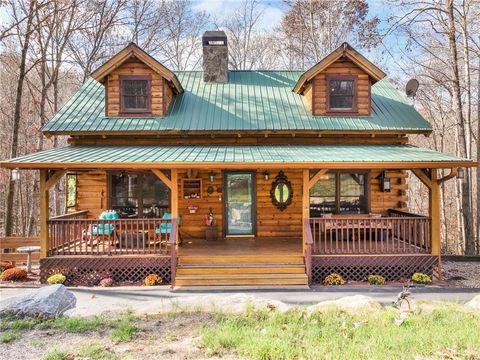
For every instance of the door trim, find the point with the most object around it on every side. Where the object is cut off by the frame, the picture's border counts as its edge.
(253, 173)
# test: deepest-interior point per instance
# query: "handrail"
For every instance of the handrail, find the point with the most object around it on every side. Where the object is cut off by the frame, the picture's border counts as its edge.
(394, 212)
(399, 234)
(110, 236)
(308, 249)
(72, 215)
(173, 232)
(308, 232)
(173, 251)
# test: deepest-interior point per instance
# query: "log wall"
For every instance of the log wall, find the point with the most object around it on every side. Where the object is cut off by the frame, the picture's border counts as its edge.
(319, 94)
(395, 199)
(92, 194)
(161, 94)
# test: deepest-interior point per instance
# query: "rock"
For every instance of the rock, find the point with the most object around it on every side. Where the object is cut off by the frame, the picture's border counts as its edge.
(474, 304)
(46, 302)
(349, 303)
(236, 303)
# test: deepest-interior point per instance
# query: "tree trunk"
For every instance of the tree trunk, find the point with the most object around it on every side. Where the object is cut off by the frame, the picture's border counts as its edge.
(478, 159)
(463, 127)
(16, 120)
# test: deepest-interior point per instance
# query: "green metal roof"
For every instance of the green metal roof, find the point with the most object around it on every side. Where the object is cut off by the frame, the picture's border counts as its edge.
(250, 101)
(165, 155)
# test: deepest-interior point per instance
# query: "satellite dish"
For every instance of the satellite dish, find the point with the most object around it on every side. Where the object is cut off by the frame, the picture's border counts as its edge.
(412, 87)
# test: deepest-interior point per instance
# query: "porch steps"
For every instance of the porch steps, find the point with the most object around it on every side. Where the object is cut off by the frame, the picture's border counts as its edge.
(241, 271)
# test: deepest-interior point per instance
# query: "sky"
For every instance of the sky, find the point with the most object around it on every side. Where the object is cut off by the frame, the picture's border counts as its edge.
(274, 10)
(271, 17)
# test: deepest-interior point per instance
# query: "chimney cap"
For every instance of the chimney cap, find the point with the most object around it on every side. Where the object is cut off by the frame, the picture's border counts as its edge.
(215, 38)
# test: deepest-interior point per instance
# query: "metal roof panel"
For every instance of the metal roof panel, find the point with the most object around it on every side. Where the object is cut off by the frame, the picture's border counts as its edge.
(251, 100)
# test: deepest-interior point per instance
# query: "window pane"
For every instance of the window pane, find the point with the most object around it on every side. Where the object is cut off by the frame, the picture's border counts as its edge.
(155, 196)
(322, 195)
(352, 193)
(124, 194)
(135, 94)
(342, 94)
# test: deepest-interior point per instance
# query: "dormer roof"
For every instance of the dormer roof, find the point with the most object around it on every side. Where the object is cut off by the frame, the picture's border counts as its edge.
(132, 50)
(344, 51)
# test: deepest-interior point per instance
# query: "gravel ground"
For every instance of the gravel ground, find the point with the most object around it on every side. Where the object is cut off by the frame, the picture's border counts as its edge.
(462, 273)
(159, 337)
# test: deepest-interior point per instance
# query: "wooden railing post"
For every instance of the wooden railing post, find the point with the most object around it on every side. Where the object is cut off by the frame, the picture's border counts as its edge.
(173, 251)
(44, 213)
(308, 249)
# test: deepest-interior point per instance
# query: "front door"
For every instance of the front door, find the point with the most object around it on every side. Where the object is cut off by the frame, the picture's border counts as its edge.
(239, 203)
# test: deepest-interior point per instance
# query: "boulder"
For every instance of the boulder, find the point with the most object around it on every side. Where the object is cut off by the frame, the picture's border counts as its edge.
(46, 303)
(349, 303)
(474, 304)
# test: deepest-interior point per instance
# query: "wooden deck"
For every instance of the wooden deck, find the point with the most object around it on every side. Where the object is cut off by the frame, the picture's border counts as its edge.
(241, 247)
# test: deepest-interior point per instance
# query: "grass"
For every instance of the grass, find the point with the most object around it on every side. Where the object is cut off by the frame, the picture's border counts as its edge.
(56, 354)
(96, 351)
(8, 336)
(124, 328)
(78, 324)
(446, 331)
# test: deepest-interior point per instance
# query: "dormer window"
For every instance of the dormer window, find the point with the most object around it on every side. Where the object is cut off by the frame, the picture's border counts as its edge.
(342, 93)
(135, 94)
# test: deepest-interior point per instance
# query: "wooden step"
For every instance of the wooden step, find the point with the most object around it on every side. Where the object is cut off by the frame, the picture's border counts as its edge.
(241, 269)
(241, 259)
(241, 279)
(238, 287)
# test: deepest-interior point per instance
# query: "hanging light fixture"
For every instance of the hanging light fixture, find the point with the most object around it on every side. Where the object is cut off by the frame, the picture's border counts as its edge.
(385, 184)
(211, 175)
(460, 173)
(266, 175)
(15, 175)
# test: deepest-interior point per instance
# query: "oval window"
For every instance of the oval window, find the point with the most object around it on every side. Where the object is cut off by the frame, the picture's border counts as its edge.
(281, 192)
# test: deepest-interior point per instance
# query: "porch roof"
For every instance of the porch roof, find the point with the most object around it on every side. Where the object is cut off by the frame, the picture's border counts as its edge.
(238, 156)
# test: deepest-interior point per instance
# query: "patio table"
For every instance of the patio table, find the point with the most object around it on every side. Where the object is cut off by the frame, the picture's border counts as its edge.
(28, 250)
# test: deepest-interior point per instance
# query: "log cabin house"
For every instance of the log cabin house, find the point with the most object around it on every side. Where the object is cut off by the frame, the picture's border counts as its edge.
(238, 178)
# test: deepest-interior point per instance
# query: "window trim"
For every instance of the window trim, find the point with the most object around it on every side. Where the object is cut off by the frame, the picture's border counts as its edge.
(333, 111)
(367, 189)
(148, 110)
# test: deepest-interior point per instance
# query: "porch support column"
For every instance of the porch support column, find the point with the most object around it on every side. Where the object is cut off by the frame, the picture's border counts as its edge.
(172, 184)
(44, 213)
(434, 212)
(305, 204)
(174, 193)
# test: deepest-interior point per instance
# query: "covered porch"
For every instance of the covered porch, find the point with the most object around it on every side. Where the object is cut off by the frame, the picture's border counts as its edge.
(374, 237)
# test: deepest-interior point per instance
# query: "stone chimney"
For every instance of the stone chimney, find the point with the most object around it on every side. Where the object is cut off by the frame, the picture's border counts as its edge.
(215, 57)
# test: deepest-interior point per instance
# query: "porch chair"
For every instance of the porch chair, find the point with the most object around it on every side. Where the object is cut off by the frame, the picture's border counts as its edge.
(96, 232)
(166, 228)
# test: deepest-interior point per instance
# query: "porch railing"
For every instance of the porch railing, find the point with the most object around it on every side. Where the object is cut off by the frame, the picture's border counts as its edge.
(80, 236)
(83, 214)
(172, 242)
(308, 249)
(398, 233)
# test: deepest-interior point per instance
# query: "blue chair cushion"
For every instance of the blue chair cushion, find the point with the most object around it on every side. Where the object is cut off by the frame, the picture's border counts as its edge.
(166, 228)
(103, 229)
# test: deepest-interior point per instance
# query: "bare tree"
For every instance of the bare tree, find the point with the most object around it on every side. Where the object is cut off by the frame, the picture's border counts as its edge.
(19, 10)
(311, 29)
(181, 43)
(98, 38)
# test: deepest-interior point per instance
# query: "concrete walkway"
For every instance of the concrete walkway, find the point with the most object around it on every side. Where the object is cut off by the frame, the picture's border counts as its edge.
(95, 300)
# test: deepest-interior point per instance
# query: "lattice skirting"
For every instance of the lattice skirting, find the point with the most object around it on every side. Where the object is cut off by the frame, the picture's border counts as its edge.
(88, 271)
(357, 268)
